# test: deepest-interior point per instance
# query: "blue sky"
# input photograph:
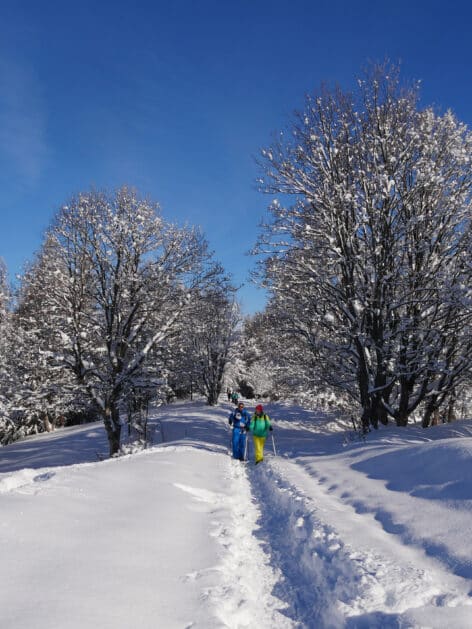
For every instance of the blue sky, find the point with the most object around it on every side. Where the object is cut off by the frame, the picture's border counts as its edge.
(176, 98)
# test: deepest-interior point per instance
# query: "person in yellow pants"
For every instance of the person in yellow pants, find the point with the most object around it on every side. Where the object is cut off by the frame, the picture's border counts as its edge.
(259, 426)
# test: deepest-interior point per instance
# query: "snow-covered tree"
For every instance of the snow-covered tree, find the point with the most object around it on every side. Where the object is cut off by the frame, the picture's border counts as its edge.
(19, 414)
(119, 280)
(7, 427)
(213, 322)
(368, 268)
(253, 364)
(44, 391)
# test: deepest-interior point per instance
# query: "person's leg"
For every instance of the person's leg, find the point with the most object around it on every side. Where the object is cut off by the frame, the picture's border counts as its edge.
(242, 445)
(259, 448)
(235, 443)
(262, 447)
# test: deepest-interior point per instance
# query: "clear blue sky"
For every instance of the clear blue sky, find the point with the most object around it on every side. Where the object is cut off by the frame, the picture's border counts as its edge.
(177, 97)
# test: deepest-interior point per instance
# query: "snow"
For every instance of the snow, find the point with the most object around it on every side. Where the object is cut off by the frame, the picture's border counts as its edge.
(333, 532)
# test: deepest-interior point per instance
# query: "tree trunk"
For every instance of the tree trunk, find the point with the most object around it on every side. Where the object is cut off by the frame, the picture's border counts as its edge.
(426, 421)
(365, 420)
(402, 418)
(48, 425)
(431, 413)
(383, 415)
(113, 427)
(379, 412)
(363, 384)
(212, 397)
(406, 387)
(451, 414)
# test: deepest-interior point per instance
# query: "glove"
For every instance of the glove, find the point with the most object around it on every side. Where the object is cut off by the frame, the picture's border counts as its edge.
(246, 428)
(270, 428)
(230, 422)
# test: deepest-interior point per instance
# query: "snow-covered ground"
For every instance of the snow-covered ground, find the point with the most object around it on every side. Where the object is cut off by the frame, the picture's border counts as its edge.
(329, 533)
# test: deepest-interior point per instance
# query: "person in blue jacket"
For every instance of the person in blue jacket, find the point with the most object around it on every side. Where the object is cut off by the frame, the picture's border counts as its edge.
(239, 419)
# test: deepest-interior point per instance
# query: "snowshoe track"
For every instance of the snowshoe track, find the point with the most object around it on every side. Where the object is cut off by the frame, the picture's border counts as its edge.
(328, 583)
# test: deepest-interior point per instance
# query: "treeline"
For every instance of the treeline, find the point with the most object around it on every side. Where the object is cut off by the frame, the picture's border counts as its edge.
(366, 256)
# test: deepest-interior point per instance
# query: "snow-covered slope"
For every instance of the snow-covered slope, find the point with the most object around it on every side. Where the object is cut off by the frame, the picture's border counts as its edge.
(330, 533)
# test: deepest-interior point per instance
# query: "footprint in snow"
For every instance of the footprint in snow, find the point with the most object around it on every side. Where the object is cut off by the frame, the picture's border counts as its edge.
(41, 478)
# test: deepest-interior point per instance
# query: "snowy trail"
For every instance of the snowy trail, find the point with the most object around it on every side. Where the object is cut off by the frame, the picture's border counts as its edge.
(162, 538)
(339, 566)
(244, 598)
(375, 535)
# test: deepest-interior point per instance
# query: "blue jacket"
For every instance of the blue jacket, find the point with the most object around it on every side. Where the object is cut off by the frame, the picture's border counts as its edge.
(239, 419)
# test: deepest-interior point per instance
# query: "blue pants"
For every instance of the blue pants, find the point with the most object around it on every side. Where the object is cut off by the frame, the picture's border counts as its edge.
(239, 443)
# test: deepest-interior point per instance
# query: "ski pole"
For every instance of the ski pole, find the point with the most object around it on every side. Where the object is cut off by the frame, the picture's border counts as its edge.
(245, 446)
(273, 443)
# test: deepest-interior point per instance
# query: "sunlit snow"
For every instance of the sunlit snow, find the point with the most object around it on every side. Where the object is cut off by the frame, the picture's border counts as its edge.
(334, 531)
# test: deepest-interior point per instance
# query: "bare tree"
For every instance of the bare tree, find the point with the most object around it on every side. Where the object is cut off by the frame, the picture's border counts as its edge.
(119, 281)
(367, 267)
(214, 320)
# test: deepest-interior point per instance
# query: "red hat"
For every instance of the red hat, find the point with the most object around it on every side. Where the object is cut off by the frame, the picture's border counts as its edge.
(259, 408)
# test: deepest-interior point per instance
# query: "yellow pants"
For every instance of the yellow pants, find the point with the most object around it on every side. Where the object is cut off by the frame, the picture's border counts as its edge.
(259, 448)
